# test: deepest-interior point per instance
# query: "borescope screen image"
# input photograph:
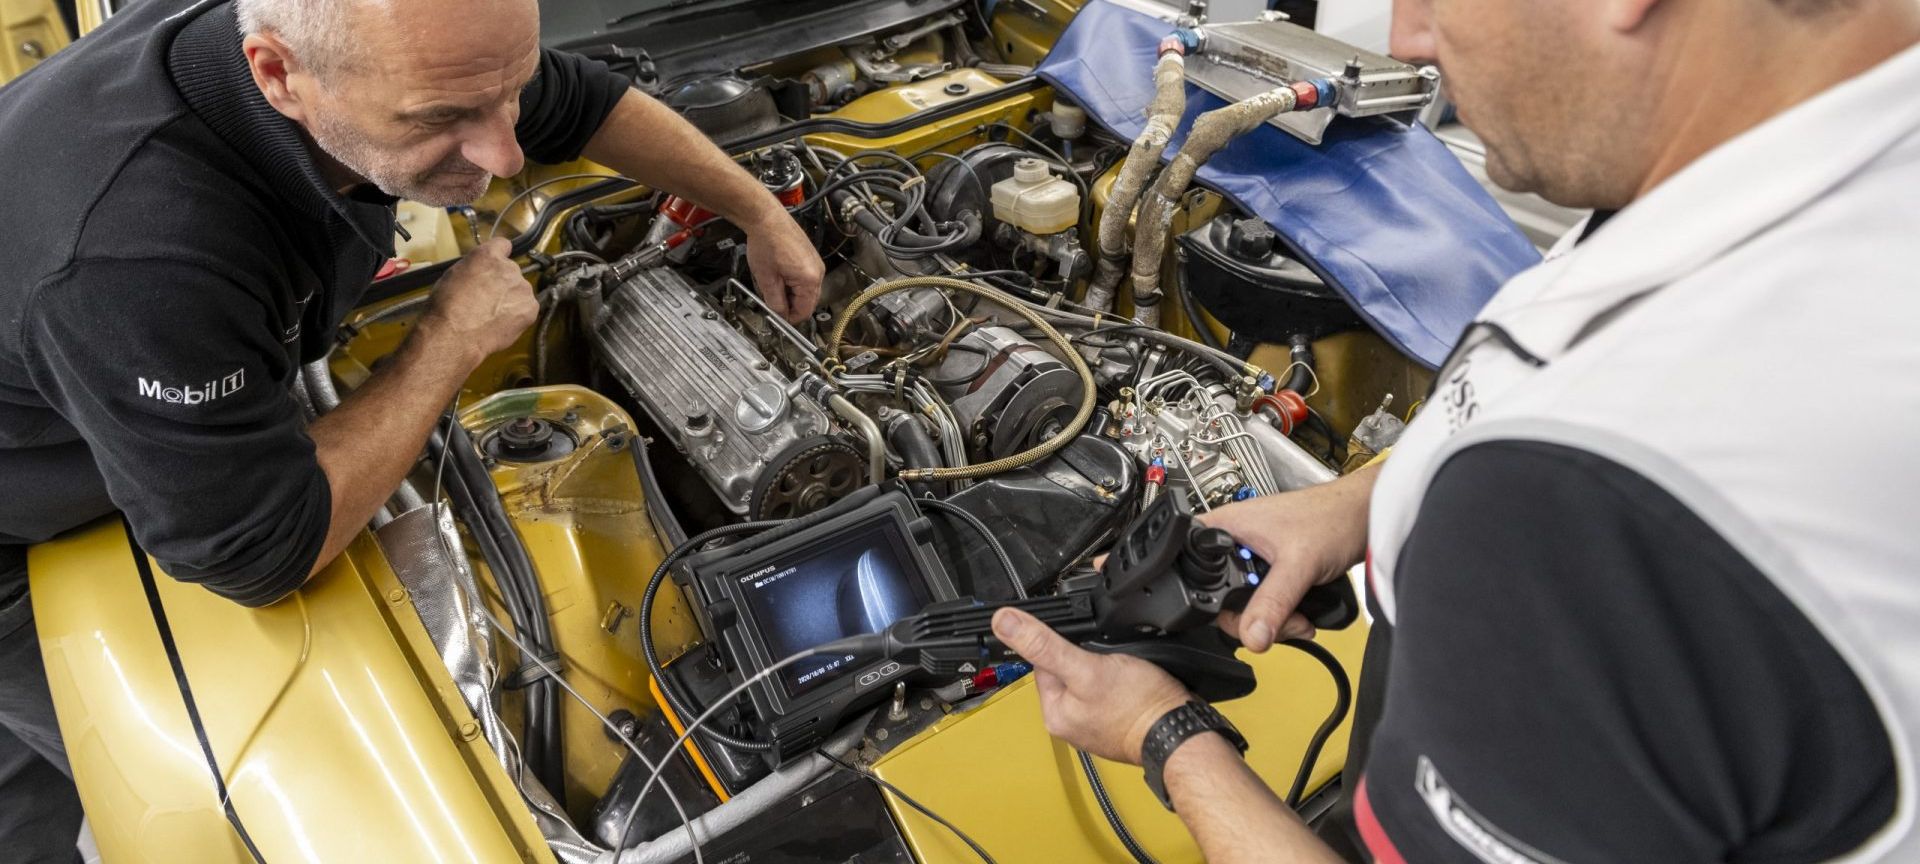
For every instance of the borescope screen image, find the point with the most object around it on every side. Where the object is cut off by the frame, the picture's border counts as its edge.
(855, 586)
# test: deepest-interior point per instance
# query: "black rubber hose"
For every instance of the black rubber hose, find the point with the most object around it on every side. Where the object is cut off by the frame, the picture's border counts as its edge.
(916, 448)
(1301, 355)
(513, 571)
(1342, 701)
(1192, 309)
(464, 460)
(681, 705)
(664, 519)
(1325, 429)
(1119, 827)
(421, 277)
(477, 500)
(966, 231)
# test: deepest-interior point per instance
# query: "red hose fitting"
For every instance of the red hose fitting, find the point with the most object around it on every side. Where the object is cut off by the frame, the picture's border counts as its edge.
(1289, 409)
(1306, 96)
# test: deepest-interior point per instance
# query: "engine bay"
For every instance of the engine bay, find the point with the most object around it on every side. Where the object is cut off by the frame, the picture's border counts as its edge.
(960, 355)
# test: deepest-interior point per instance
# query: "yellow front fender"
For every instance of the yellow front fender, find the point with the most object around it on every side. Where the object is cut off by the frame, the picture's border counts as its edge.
(339, 734)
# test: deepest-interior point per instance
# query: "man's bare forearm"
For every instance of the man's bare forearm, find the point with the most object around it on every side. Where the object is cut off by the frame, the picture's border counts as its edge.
(1231, 813)
(367, 445)
(649, 142)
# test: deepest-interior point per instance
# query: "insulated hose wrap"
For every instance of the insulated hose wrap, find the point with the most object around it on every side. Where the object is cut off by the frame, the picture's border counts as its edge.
(1211, 132)
(1163, 116)
(1037, 452)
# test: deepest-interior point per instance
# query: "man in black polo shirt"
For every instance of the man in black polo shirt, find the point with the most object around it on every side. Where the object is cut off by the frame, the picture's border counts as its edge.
(202, 192)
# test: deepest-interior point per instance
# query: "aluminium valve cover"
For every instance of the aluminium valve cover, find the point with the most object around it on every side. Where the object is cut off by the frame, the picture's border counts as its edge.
(704, 384)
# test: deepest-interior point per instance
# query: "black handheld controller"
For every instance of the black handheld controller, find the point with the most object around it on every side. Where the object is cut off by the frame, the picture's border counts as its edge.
(1169, 574)
(1155, 597)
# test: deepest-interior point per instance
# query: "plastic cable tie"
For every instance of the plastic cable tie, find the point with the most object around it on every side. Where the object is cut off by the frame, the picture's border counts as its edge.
(532, 671)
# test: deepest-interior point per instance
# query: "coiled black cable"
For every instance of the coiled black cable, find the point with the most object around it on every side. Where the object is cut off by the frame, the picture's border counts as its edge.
(1114, 821)
(1342, 701)
(683, 706)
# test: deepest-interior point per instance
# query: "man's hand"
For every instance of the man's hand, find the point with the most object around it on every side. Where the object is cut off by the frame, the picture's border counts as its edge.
(785, 266)
(653, 144)
(367, 445)
(1308, 537)
(1101, 703)
(482, 305)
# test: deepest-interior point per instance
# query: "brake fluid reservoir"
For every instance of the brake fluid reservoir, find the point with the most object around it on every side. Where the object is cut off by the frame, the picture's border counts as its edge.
(430, 229)
(1035, 201)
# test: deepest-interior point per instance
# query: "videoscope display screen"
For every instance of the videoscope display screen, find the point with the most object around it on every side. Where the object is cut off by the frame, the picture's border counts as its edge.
(853, 586)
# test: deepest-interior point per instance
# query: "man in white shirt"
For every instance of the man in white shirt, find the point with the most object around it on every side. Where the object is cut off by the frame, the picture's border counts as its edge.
(1647, 556)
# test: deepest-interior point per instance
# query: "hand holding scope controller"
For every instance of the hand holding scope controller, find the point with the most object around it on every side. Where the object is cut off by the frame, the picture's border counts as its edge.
(1156, 597)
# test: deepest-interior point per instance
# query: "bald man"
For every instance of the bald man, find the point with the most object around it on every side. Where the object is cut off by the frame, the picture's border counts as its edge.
(200, 193)
(1635, 616)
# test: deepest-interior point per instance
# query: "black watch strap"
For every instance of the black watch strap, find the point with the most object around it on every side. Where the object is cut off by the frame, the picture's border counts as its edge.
(1174, 729)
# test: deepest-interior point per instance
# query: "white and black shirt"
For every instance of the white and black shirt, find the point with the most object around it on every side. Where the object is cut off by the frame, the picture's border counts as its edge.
(1650, 550)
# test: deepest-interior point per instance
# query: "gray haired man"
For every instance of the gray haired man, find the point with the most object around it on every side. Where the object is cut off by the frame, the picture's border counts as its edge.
(213, 188)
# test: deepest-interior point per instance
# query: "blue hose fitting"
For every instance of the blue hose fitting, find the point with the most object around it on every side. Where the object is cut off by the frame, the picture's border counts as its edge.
(1190, 40)
(1328, 91)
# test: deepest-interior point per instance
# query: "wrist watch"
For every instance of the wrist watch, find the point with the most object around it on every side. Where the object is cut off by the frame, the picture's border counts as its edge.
(1175, 728)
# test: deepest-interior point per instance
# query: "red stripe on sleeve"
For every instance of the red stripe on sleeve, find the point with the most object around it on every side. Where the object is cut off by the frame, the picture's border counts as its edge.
(1375, 837)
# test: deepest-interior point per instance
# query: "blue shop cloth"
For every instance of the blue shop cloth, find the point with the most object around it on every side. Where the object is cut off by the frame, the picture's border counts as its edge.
(1384, 213)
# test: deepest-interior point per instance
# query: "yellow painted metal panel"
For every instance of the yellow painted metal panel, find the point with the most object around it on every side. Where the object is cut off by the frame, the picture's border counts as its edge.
(586, 528)
(996, 774)
(338, 739)
(1025, 30)
(893, 103)
(30, 31)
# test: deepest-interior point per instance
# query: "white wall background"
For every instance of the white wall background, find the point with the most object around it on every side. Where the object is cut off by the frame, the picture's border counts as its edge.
(1362, 23)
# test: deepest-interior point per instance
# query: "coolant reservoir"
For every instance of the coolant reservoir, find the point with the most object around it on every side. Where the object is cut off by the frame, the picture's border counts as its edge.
(1035, 201)
(432, 240)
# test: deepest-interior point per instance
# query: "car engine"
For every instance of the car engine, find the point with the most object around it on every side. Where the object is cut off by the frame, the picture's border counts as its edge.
(970, 348)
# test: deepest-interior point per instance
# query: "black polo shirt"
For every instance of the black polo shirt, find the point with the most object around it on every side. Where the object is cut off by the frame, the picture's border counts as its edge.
(173, 256)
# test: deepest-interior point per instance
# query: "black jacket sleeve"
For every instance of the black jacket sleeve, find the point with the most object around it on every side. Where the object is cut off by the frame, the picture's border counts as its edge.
(1584, 670)
(177, 384)
(565, 104)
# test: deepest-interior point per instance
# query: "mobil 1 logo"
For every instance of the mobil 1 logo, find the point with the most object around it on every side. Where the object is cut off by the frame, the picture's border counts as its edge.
(197, 393)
